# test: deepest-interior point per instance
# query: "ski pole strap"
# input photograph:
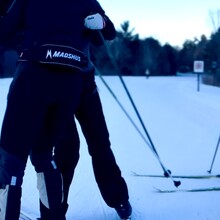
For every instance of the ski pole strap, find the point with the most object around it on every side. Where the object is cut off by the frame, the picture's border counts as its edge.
(56, 55)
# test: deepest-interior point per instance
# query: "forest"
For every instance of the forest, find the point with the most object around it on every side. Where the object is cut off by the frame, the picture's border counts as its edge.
(129, 55)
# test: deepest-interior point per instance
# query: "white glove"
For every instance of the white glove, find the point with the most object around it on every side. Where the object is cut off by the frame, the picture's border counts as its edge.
(94, 22)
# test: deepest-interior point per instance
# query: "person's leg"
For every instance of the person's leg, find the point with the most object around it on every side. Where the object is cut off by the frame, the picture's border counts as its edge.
(66, 156)
(49, 184)
(19, 129)
(58, 124)
(107, 173)
(55, 168)
(11, 176)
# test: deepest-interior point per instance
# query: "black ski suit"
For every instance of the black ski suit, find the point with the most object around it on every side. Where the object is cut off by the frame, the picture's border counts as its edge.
(43, 97)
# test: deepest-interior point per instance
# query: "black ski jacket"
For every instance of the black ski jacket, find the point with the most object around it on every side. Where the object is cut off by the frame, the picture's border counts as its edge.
(53, 22)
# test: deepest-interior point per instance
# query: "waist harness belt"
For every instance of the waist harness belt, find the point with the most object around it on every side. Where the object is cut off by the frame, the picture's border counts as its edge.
(57, 55)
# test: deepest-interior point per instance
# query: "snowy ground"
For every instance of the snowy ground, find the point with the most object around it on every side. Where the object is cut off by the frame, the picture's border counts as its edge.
(184, 125)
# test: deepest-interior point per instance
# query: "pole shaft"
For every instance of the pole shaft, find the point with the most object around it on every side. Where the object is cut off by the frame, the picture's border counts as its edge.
(216, 149)
(166, 171)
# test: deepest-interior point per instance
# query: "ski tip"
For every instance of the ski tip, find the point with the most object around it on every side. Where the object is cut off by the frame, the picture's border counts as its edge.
(206, 189)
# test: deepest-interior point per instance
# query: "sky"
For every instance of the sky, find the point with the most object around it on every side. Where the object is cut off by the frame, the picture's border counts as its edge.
(184, 127)
(169, 21)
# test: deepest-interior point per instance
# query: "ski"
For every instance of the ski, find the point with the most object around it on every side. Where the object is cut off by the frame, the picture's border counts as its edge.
(179, 176)
(206, 189)
(23, 216)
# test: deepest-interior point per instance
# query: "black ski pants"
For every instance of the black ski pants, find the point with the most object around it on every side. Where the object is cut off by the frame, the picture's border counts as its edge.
(41, 100)
(90, 115)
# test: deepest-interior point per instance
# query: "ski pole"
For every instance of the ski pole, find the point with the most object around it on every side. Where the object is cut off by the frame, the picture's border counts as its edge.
(210, 170)
(125, 112)
(122, 107)
(167, 172)
(129, 117)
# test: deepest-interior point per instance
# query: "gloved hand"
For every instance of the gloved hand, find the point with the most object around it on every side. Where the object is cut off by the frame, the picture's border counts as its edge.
(94, 22)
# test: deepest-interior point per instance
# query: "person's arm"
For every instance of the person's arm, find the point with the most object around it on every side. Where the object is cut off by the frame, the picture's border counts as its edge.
(99, 21)
(109, 31)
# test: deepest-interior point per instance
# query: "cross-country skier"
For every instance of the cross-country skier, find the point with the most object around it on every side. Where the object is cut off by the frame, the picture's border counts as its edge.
(53, 74)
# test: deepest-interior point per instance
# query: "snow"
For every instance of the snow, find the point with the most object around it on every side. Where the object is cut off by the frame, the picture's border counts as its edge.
(184, 125)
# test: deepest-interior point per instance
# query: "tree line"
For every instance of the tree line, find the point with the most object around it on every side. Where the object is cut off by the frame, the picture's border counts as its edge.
(140, 57)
